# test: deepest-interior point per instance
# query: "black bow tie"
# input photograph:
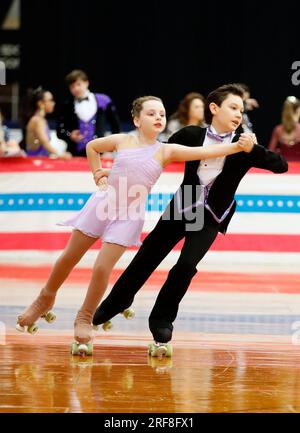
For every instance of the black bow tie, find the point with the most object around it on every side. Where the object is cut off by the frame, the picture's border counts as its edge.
(82, 99)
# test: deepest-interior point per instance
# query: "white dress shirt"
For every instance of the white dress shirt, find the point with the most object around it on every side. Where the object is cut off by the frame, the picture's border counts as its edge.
(85, 110)
(209, 169)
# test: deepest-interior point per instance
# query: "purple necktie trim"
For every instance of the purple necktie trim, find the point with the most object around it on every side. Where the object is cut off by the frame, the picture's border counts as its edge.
(217, 137)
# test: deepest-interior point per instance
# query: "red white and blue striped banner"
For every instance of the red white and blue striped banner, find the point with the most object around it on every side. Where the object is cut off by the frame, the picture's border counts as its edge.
(36, 193)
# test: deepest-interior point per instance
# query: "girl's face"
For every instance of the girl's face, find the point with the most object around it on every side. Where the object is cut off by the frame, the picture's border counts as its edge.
(47, 103)
(152, 118)
(196, 110)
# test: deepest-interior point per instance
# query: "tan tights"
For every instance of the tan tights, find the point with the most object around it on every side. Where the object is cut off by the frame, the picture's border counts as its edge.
(77, 246)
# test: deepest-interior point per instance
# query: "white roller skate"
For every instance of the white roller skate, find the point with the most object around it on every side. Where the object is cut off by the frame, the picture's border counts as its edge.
(160, 350)
(82, 349)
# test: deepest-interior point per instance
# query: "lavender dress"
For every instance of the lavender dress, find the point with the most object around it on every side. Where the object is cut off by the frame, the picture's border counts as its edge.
(116, 215)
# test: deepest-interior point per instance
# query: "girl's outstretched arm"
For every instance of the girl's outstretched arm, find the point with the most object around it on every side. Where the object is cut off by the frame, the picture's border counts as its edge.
(179, 153)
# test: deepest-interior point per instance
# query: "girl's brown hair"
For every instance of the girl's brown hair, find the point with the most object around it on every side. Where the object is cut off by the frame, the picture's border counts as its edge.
(137, 104)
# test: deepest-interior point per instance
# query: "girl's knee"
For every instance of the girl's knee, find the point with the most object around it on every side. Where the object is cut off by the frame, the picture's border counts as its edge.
(101, 270)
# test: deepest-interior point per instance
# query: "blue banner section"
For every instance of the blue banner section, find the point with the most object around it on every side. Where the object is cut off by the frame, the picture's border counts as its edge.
(270, 324)
(156, 202)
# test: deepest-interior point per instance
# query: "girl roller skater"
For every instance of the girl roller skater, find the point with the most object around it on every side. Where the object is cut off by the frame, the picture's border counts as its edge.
(115, 213)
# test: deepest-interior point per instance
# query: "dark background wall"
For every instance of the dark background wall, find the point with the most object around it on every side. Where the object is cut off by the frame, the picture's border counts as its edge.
(132, 48)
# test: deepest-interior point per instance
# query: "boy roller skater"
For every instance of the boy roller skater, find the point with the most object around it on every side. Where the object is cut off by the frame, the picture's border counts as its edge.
(202, 207)
(115, 212)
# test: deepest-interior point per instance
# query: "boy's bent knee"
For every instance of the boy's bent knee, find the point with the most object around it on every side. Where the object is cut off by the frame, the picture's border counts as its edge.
(185, 269)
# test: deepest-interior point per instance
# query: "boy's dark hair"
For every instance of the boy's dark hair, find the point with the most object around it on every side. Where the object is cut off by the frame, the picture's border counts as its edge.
(218, 96)
(75, 75)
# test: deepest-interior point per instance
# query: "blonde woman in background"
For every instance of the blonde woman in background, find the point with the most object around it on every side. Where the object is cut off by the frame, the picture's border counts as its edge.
(285, 137)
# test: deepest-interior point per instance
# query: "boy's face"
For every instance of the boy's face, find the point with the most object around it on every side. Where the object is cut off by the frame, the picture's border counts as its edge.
(78, 88)
(228, 116)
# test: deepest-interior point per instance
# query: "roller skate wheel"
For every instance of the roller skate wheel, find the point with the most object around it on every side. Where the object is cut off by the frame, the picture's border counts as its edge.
(160, 351)
(151, 349)
(20, 328)
(81, 349)
(32, 329)
(107, 325)
(129, 313)
(49, 317)
(74, 348)
(169, 350)
(95, 327)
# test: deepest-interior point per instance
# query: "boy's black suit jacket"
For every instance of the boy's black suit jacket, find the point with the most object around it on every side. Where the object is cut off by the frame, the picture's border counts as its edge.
(222, 191)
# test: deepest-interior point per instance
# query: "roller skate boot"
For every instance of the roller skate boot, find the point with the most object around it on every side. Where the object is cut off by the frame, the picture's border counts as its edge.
(83, 334)
(40, 308)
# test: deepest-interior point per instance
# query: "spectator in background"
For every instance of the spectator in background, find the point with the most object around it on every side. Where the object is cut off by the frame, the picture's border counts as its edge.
(285, 137)
(249, 105)
(36, 132)
(190, 111)
(84, 117)
(8, 147)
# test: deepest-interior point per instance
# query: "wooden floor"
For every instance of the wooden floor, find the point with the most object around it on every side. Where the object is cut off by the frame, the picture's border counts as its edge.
(235, 350)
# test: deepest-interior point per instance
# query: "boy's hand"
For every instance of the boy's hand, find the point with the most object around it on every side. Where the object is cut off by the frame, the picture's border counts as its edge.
(76, 136)
(247, 141)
